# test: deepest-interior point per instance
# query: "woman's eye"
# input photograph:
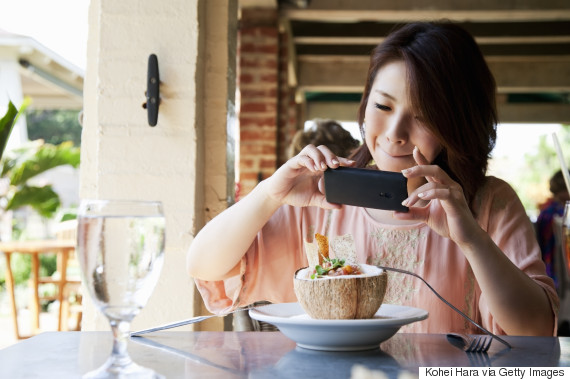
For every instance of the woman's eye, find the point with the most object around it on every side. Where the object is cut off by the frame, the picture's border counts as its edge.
(383, 107)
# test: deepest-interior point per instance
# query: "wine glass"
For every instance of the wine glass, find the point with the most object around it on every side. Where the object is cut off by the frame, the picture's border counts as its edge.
(121, 250)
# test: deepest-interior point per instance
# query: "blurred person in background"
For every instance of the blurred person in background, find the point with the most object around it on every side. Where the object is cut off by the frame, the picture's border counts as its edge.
(325, 132)
(554, 206)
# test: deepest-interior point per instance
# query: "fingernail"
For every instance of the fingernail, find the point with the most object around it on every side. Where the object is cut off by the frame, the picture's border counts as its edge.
(406, 171)
(405, 203)
(421, 194)
(323, 165)
(335, 162)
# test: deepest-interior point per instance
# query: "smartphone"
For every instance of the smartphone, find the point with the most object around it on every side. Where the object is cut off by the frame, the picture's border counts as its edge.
(366, 188)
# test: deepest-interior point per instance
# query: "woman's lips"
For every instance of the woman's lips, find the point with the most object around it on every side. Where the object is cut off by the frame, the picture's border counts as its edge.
(397, 155)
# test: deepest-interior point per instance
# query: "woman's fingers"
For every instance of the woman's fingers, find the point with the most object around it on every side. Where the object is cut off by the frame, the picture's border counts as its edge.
(435, 190)
(432, 173)
(320, 158)
(419, 157)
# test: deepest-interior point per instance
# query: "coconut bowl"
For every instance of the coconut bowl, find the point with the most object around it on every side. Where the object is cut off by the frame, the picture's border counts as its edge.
(341, 297)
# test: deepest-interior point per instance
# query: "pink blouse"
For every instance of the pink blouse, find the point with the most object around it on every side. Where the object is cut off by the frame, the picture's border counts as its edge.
(268, 267)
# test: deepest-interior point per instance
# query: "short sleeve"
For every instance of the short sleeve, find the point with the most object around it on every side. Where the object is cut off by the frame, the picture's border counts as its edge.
(267, 268)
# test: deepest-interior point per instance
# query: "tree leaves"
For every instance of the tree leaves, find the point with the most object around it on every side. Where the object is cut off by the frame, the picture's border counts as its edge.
(43, 200)
(37, 158)
(8, 121)
(20, 165)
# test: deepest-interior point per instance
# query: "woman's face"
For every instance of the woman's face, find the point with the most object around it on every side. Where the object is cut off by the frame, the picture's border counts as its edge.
(392, 128)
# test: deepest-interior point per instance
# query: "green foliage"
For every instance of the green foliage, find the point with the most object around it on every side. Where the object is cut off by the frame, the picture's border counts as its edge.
(8, 121)
(54, 126)
(22, 267)
(68, 216)
(6, 125)
(18, 168)
(48, 264)
(532, 185)
(21, 165)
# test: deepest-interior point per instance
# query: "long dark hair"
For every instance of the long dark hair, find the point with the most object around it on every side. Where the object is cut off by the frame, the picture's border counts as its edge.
(452, 88)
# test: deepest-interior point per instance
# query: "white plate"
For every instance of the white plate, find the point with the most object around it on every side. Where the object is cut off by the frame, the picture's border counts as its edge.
(337, 335)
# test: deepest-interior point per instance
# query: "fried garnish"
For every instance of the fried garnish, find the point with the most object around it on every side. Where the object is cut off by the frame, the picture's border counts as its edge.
(323, 243)
(312, 252)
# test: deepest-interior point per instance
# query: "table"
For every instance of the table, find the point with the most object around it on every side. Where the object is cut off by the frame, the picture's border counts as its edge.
(36, 247)
(263, 355)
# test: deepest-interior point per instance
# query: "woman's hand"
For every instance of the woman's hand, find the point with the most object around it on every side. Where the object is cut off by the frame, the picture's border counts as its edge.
(299, 181)
(447, 212)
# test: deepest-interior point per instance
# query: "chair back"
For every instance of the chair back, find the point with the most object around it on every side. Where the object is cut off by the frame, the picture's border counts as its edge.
(66, 230)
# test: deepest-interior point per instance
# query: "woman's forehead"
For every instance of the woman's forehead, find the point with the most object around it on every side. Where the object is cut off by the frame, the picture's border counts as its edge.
(391, 81)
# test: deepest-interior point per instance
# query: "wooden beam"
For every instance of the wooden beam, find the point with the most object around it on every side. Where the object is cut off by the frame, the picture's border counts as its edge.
(426, 15)
(408, 10)
(508, 113)
(336, 110)
(332, 73)
(531, 74)
(465, 5)
(373, 41)
(513, 74)
(534, 113)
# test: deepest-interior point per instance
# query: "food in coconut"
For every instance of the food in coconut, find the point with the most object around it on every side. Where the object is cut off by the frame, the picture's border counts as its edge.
(335, 289)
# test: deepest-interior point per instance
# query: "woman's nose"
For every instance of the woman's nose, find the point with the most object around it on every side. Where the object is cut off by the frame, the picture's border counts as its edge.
(397, 130)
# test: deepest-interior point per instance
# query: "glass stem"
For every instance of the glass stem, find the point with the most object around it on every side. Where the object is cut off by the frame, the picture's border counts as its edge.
(119, 355)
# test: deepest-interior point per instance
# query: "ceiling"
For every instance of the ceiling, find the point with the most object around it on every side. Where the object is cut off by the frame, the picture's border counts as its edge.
(526, 44)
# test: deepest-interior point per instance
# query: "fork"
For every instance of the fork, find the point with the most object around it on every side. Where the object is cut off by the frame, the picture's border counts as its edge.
(475, 344)
(191, 320)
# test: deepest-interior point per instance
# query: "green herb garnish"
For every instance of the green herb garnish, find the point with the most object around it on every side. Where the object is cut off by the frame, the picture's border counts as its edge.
(333, 264)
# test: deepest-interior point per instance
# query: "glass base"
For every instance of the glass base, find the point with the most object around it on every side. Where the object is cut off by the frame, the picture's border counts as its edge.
(111, 369)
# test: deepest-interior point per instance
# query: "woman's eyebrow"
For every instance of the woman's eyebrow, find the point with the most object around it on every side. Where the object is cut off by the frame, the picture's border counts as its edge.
(385, 94)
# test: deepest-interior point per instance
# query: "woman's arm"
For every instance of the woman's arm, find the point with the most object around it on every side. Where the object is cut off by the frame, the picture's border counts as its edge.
(221, 243)
(218, 248)
(518, 304)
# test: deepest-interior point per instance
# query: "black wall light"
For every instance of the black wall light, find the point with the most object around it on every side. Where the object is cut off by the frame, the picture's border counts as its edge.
(152, 90)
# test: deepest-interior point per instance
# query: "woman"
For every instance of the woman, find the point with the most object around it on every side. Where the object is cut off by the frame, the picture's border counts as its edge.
(428, 110)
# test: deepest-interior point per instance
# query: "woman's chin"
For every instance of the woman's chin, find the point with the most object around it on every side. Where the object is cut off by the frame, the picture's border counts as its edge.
(387, 162)
(394, 166)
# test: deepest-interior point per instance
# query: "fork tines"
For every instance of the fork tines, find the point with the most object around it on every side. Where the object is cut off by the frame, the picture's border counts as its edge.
(479, 344)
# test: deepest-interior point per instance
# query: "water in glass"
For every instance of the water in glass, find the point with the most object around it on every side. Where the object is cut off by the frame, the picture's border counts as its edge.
(121, 251)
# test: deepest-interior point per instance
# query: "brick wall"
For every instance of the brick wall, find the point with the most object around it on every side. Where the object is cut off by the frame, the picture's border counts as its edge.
(258, 85)
(267, 114)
